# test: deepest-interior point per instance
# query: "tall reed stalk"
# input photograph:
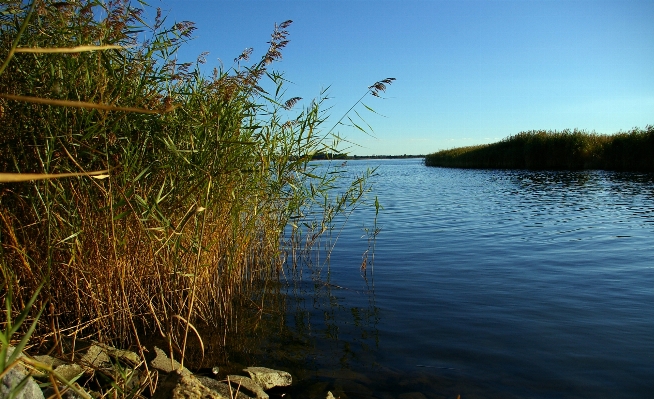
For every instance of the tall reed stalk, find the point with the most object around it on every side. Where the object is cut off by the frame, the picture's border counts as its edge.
(183, 184)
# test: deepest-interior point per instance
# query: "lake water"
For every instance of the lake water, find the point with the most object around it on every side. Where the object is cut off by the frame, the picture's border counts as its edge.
(485, 283)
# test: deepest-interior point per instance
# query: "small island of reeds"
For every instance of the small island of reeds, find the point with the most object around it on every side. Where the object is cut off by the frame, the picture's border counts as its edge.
(556, 150)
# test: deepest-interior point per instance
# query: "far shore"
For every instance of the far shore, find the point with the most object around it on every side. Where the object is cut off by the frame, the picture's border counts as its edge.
(321, 156)
(557, 150)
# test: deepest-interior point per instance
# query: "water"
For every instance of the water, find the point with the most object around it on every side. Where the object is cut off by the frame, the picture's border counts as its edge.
(486, 283)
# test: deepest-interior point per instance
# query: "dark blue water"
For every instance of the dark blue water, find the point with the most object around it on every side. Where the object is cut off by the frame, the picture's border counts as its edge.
(488, 283)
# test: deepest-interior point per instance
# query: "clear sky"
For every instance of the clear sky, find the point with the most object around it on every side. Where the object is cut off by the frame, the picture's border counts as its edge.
(468, 72)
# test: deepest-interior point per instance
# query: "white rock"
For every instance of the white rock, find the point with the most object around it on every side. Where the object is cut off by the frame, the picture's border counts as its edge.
(69, 371)
(49, 360)
(13, 378)
(162, 363)
(248, 385)
(179, 386)
(269, 378)
(96, 357)
(221, 388)
(120, 354)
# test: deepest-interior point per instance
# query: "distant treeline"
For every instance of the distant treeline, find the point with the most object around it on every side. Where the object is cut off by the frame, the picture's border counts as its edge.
(329, 155)
(567, 149)
(384, 156)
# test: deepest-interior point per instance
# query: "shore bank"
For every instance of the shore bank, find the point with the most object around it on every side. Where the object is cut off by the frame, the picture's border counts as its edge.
(97, 370)
(557, 150)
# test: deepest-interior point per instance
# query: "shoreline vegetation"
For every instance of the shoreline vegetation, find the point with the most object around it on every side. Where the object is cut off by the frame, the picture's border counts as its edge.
(143, 201)
(556, 150)
(330, 156)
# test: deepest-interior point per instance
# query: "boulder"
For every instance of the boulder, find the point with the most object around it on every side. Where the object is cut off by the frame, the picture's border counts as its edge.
(123, 356)
(32, 390)
(69, 371)
(164, 364)
(269, 378)
(10, 351)
(96, 357)
(248, 385)
(49, 360)
(221, 388)
(184, 386)
(13, 378)
(67, 393)
(134, 380)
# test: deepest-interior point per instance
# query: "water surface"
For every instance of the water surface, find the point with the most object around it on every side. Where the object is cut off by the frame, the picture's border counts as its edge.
(486, 283)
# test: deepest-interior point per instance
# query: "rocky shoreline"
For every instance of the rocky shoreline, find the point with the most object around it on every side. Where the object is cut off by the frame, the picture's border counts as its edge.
(99, 368)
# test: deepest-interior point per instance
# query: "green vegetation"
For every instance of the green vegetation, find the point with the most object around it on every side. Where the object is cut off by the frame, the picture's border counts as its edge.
(343, 156)
(327, 155)
(147, 197)
(576, 149)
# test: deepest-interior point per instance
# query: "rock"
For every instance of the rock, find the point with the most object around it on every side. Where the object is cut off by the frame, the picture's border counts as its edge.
(13, 378)
(68, 393)
(163, 363)
(69, 371)
(99, 356)
(10, 351)
(134, 380)
(123, 356)
(184, 386)
(49, 360)
(248, 385)
(221, 388)
(32, 390)
(96, 358)
(269, 378)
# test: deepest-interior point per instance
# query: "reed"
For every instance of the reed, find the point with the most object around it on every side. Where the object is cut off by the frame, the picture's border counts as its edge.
(156, 196)
(567, 149)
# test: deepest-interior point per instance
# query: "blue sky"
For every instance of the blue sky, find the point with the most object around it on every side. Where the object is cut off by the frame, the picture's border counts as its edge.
(468, 72)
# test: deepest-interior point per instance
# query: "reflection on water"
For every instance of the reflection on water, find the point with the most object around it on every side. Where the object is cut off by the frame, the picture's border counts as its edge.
(329, 341)
(487, 283)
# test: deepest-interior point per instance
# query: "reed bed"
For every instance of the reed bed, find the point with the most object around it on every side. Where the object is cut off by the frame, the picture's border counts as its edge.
(567, 149)
(154, 197)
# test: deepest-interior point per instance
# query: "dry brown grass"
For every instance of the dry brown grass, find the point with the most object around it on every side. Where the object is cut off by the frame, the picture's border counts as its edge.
(199, 177)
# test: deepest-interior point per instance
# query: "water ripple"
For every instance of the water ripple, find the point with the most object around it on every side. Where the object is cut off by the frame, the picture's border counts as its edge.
(533, 283)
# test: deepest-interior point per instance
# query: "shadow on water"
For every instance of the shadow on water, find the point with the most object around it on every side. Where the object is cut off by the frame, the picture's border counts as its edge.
(326, 336)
